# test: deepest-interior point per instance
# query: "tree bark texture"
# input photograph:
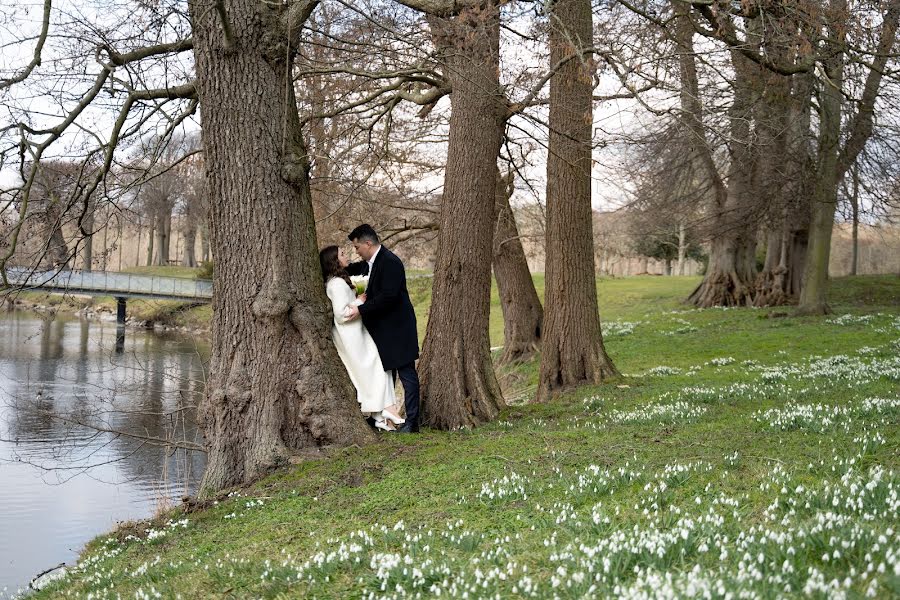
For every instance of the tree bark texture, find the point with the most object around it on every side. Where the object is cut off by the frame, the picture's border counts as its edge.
(854, 205)
(572, 351)
(834, 160)
(786, 173)
(780, 281)
(204, 245)
(87, 243)
(163, 236)
(50, 223)
(459, 387)
(731, 273)
(523, 315)
(151, 238)
(276, 384)
(824, 193)
(189, 259)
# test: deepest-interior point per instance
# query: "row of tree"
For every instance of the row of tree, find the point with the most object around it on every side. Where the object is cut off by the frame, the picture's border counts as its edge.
(308, 105)
(138, 197)
(764, 163)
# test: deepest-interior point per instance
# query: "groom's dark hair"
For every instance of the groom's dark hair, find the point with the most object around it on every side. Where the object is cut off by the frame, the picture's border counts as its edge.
(363, 233)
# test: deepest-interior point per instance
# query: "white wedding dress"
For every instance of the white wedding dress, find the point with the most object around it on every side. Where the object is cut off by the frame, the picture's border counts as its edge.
(374, 385)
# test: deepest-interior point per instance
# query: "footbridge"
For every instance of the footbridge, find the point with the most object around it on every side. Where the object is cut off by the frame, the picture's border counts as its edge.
(119, 285)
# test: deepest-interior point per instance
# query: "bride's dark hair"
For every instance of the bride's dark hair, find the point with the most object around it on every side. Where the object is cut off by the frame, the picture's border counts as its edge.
(331, 265)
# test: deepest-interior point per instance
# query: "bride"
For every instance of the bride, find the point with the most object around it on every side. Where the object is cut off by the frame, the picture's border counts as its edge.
(374, 385)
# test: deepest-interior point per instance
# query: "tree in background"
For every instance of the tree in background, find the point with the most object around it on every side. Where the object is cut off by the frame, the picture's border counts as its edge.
(846, 53)
(523, 314)
(657, 237)
(572, 351)
(193, 210)
(842, 136)
(47, 214)
(459, 387)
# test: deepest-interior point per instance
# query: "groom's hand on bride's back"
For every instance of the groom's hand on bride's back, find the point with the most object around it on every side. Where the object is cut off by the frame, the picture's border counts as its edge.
(352, 313)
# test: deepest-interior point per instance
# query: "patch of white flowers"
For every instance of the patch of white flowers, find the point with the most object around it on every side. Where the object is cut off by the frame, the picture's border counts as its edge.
(852, 371)
(619, 328)
(721, 362)
(503, 488)
(683, 328)
(661, 414)
(848, 319)
(663, 370)
(826, 417)
(731, 393)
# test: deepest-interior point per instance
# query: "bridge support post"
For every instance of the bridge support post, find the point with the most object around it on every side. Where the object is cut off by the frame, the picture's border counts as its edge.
(120, 338)
(120, 310)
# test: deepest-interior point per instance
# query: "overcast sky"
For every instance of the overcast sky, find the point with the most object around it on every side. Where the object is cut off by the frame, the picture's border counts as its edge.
(68, 69)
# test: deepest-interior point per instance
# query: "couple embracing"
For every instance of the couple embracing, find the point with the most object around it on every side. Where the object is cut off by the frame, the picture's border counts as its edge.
(375, 332)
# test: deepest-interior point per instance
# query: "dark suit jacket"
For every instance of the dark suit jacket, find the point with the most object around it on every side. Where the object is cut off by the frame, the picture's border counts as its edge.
(388, 312)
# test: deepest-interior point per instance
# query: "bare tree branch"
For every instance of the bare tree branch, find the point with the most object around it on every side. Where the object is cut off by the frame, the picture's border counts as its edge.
(36, 59)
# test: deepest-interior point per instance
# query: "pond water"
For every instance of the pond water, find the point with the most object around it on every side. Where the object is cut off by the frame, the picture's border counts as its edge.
(83, 426)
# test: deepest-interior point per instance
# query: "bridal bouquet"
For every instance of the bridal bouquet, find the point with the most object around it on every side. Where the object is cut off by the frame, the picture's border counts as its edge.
(360, 282)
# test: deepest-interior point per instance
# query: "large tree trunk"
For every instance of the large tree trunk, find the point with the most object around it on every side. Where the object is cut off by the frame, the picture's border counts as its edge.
(87, 248)
(204, 245)
(275, 382)
(824, 193)
(815, 281)
(796, 260)
(785, 174)
(57, 253)
(772, 281)
(150, 239)
(523, 314)
(731, 268)
(189, 258)
(731, 271)
(572, 351)
(459, 387)
(163, 236)
(770, 118)
(731, 274)
(854, 234)
(834, 160)
(780, 281)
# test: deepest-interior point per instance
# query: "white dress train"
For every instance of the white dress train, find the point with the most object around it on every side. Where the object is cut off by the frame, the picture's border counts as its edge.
(374, 385)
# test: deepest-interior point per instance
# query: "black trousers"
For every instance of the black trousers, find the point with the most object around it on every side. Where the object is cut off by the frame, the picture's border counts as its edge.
(410, 380)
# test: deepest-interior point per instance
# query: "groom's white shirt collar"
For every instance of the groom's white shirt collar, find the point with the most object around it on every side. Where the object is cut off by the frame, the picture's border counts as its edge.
(371, 261)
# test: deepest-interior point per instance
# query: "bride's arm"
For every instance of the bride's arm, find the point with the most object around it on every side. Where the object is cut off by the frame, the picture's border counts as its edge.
(339, 300)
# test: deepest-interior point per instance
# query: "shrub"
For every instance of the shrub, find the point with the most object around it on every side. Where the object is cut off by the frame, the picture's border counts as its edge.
(206, 270)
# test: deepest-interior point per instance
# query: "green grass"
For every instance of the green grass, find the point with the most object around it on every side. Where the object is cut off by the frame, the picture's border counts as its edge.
(167, 271)
(741, 468)
(619, 298)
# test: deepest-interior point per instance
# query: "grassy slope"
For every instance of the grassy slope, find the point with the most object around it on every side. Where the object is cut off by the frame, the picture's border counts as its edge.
(530, 496)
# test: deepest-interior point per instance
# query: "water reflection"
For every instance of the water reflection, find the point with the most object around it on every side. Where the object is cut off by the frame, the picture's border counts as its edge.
(80, 431)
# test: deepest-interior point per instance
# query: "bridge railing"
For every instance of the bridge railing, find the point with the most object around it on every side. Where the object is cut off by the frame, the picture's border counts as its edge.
(112, 283)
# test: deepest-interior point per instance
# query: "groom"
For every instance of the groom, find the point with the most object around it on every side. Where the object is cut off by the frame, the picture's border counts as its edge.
(388, 315)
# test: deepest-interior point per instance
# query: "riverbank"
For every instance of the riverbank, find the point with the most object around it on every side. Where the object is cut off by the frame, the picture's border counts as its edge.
(739, 453)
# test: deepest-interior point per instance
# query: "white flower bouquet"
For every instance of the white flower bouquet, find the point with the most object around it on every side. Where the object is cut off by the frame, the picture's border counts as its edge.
(361, 283)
